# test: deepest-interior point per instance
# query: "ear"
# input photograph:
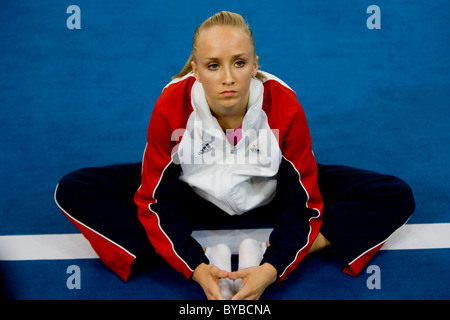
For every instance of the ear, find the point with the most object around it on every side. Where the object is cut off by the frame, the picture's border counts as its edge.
(195, 70)
(255, 66)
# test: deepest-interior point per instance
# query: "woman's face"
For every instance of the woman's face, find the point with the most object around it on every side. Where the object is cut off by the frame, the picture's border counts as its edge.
(225, 63)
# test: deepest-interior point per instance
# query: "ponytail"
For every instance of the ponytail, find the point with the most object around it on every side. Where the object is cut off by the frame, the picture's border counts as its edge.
(186, 69)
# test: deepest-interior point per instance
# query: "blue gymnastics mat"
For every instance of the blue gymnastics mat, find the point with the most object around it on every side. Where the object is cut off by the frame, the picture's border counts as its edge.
(72, 98)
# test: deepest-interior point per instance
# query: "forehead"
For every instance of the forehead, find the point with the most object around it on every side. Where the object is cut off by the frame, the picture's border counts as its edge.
(222, 40)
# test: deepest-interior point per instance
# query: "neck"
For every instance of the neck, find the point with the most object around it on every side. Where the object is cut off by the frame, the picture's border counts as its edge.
(230, 122)
(229, 117)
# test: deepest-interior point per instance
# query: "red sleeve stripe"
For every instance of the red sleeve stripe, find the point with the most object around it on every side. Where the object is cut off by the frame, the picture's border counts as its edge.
(314, 226)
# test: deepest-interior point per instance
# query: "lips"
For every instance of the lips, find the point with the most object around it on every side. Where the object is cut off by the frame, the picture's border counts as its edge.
(228, 93)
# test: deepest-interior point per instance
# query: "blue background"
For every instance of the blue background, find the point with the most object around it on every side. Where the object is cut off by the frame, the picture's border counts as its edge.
(374, 99)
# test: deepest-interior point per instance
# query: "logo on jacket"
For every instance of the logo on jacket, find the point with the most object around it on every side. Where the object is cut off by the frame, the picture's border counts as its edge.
(255, 148)
(206, 148)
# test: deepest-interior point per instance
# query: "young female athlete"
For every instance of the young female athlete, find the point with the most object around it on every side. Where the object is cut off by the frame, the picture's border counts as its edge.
(228, 144)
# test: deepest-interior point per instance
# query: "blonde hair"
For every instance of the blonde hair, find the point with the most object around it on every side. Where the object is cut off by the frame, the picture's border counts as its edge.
(219, 19)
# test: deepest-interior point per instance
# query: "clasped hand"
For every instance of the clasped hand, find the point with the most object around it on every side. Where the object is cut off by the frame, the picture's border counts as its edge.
(255, 280)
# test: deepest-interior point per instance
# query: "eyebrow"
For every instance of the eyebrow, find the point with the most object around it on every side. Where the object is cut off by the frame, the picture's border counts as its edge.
(236, 56)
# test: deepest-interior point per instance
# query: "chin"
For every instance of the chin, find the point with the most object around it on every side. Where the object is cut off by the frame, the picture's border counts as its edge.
(229, 103)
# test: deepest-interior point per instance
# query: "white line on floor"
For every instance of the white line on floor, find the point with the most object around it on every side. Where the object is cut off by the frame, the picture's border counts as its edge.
(75, 246)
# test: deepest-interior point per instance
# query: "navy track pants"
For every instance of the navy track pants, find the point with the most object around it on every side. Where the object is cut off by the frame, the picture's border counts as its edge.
(361, 210)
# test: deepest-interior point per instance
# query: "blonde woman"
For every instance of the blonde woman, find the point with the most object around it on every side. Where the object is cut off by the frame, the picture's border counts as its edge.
(229, 144)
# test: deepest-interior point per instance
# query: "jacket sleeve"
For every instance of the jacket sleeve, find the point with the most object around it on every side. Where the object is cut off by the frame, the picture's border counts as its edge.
(158, 200)
(300, 202)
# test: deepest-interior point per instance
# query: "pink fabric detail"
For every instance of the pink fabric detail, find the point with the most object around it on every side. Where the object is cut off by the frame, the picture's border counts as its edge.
(234, 136)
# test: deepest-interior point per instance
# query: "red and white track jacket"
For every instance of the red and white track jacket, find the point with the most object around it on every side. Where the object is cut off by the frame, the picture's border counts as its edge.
(185, 143)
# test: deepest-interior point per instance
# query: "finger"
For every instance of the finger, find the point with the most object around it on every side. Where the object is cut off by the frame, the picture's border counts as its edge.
(243, 294)
(246, 294)
(213, 291)
(215, 294)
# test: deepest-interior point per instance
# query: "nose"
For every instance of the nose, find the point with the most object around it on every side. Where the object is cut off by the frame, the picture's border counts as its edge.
(228, 78)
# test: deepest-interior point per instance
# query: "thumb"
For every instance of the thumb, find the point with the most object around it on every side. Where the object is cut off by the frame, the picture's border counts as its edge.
(219, 272)
(237, 274)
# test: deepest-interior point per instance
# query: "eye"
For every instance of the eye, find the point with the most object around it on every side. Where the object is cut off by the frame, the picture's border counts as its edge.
(213, 66)
(239, 64)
